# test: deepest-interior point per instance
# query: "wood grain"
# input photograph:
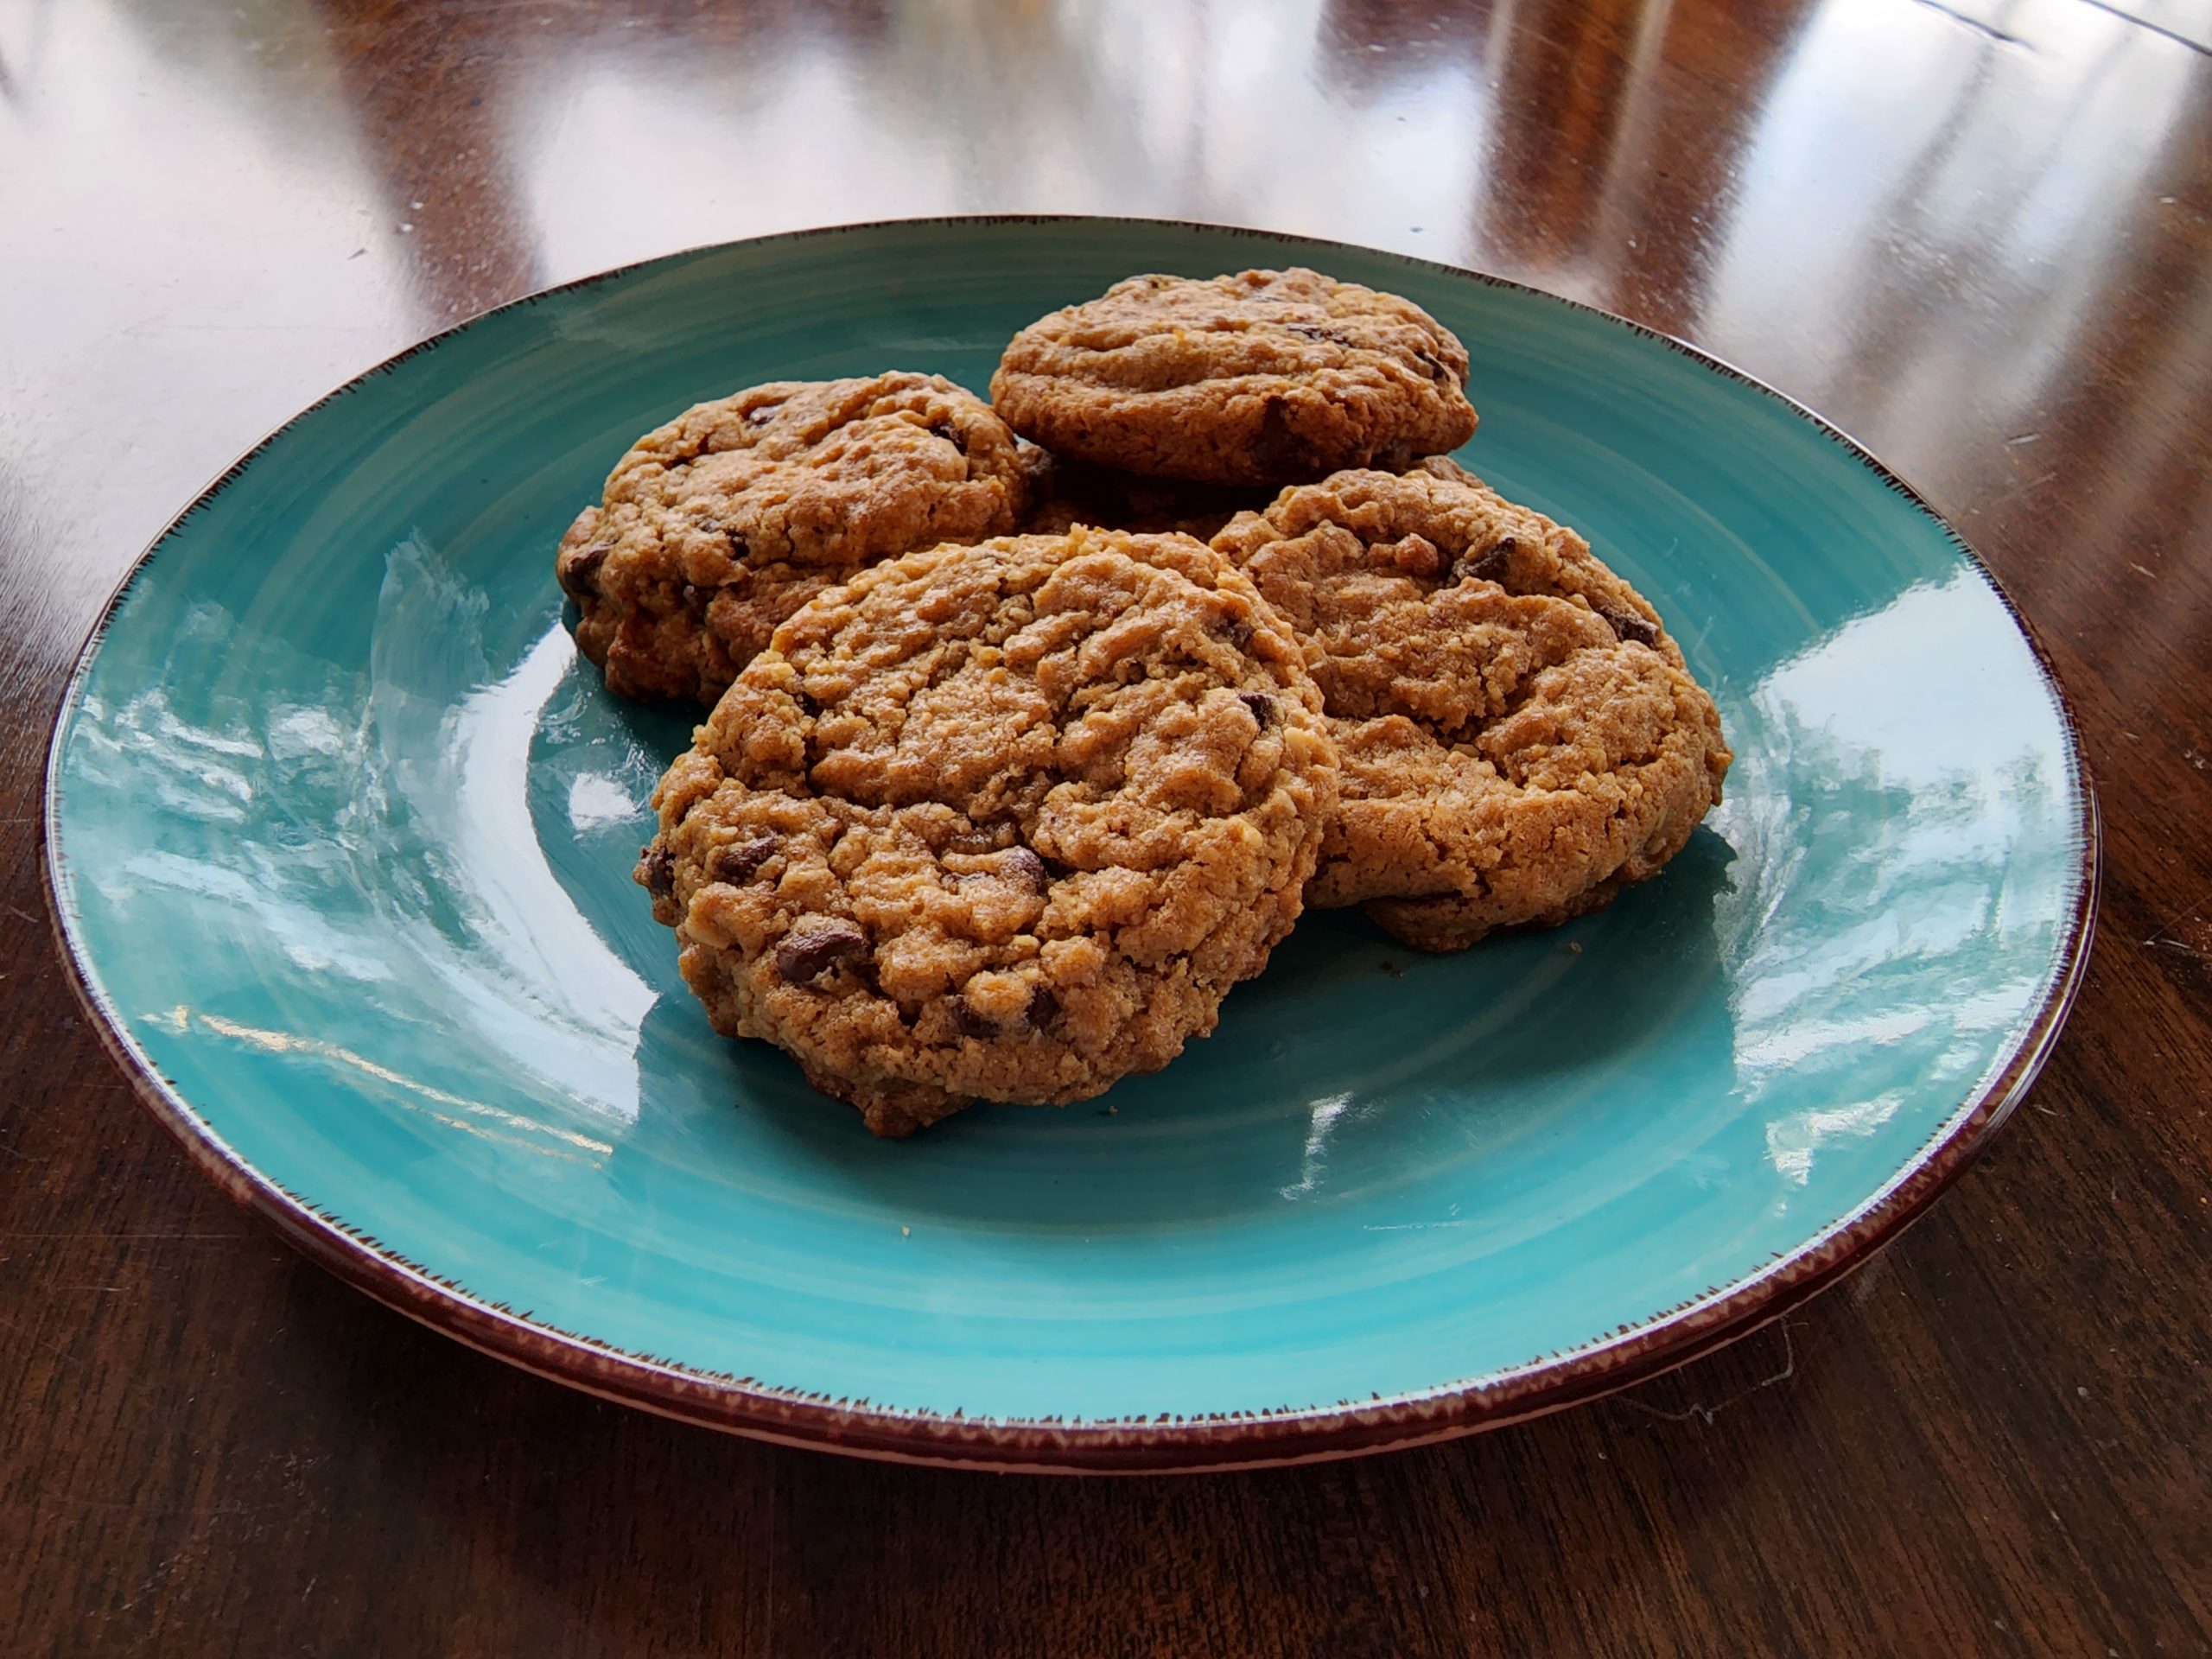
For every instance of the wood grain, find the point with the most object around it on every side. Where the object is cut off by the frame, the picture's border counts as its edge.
(1975, 234)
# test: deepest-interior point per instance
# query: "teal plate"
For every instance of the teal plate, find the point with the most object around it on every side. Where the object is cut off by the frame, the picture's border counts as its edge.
(339, 833)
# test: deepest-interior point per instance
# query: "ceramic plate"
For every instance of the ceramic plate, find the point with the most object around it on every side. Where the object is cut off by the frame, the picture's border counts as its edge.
(340, 831)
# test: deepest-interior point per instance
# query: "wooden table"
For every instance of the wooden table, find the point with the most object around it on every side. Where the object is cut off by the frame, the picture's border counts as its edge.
(1973, 233)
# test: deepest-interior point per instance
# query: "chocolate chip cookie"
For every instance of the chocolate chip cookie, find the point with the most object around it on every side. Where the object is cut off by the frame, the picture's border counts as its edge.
(1268, 378)
(997, 821)
(717, 526)
(1519, 738)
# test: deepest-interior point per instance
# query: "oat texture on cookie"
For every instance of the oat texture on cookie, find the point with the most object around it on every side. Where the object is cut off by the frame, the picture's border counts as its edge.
(1003, 821)
(1519, 736)
(1266, 377)
(715, 527)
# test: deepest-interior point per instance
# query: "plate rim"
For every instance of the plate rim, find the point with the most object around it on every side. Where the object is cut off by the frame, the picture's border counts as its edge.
(1183, 1444)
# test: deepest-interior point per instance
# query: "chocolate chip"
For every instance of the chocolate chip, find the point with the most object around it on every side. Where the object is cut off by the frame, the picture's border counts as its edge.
(740, 549)
(1261, 705)
(579, 575)
(804, 956)
(807, 705)
(655, 870)
(763, 415)
(1276, 449)
(1433, 365)
(1315, 331)
(950, 434)
(1044, 1006)
(1627, 625)
(742, 860)
(695, 599)
(1031, 868)
(1493, 565)
(968, 1022)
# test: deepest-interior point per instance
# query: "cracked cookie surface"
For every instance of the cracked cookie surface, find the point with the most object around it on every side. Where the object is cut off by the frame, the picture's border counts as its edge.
(1266, 377)
(715, 527)
(1519, 737)
(1003, 821)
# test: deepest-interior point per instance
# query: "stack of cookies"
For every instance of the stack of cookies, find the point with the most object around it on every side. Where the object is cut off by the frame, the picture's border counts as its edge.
(1037, 723)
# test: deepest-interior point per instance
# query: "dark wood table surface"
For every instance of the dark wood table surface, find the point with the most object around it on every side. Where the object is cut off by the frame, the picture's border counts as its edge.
(1972, 233)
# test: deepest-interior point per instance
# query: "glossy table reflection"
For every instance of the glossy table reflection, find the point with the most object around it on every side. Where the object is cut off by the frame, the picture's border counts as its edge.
(1973, 234)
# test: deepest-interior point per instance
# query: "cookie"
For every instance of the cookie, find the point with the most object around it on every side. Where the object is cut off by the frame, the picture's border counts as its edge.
(999, 822)
(1268, 378)
(1518, 735)
(717, 526)
(1065, 493)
